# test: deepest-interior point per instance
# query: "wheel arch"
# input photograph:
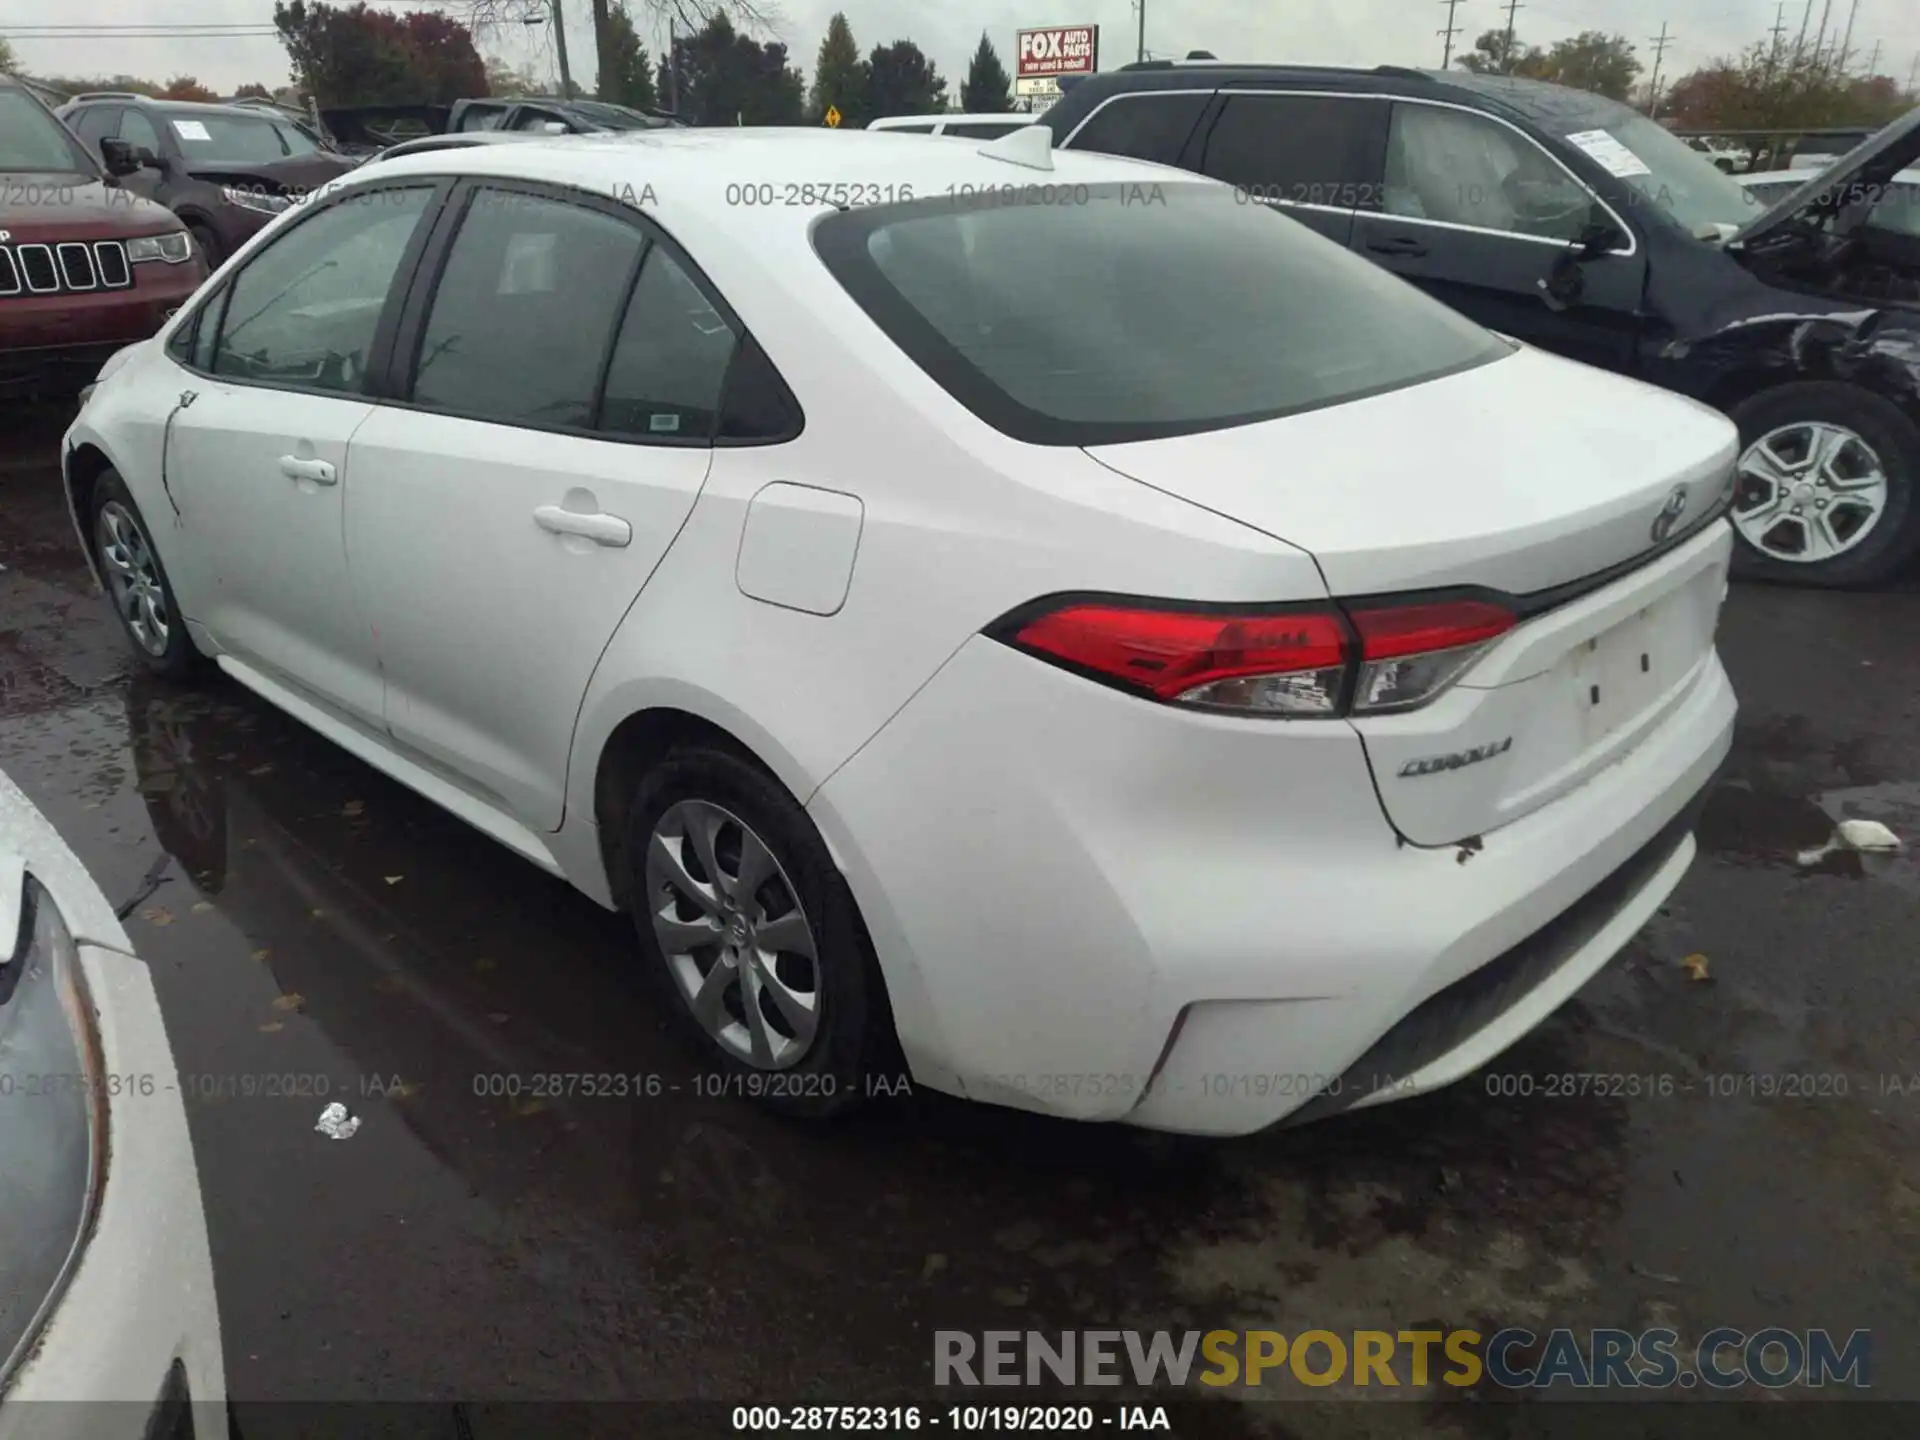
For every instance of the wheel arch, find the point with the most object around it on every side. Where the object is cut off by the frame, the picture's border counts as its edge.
(85, 463)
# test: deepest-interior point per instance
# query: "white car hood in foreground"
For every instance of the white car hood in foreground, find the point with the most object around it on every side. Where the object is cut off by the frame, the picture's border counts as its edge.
(1519, 475)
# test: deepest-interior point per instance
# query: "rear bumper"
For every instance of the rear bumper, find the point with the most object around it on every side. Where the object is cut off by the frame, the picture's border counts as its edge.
(1100, 908)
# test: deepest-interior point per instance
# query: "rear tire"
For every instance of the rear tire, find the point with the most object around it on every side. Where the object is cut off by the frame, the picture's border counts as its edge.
(710, 942)
(1882, 436)
(136, 582)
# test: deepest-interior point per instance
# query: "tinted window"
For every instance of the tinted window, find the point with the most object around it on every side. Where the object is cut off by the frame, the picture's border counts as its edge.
(525, 310)
(1464, 169)
(31, 139)
(207, 137)
(206, 330)
(926, 129)
(671, 359)
(758, 404)
(94, 123)
(482, 117)
(1306, 149)
(137, 130)
(978, 130)
(536, 120)
(297, 141)
(303, 312)
(1144, 127)
(1121, 320)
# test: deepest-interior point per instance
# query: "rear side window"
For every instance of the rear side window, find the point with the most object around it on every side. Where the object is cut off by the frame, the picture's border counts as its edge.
(1144, 127)
(926, 129)
(305, 309)
(671, 358)
(1138, 314)
(525, 311)
(978, 130)
(1300, 149)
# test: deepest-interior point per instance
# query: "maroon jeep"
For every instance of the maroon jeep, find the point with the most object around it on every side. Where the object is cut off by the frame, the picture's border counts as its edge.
(86, 266)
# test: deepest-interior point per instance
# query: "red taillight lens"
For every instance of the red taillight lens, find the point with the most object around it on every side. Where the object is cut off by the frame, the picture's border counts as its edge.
(1283, 663)
(1291, 663)
(1410, 653)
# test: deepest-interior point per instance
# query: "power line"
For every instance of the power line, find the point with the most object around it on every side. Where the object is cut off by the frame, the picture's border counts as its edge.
(1446, 55)
(1660, 43)
(1779, 33)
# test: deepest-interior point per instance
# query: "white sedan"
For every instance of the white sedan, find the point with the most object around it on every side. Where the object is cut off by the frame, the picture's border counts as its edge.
(1037, 609)
(106, 1286)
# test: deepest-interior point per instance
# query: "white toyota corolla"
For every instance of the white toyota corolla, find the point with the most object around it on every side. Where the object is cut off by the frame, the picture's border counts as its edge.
(1150, 661)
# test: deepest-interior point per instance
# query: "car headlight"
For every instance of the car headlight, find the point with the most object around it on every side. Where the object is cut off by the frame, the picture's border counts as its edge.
(255, 200)
(52, 1111)
(175, 248)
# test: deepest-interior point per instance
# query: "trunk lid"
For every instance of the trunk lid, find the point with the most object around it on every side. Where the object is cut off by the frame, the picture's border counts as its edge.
(1527, 477)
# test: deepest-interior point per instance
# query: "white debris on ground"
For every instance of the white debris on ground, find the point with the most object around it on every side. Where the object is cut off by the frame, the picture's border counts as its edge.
(336, 1124)
(1853, 835)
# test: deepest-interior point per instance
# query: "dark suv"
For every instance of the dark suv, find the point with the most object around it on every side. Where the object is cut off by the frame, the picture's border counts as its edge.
(85, 266)
(224, 169)
(540, 113)
(1568, 221)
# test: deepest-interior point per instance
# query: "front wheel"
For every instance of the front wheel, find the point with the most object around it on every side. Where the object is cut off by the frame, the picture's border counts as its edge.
(751, 934)
(1824, 493)
(136, 581)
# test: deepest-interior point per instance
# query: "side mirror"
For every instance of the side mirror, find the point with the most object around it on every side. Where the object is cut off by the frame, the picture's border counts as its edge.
(148, 160)
(1564, 283)
(1596, 238)
(119, 157)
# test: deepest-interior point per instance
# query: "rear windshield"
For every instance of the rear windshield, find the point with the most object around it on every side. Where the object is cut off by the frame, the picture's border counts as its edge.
(1089, 315)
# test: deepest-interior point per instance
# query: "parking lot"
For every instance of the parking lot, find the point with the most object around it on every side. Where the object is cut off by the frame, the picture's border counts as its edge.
(316, 931)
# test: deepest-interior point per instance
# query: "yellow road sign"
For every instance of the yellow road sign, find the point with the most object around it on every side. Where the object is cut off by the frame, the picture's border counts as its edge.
(832, 118)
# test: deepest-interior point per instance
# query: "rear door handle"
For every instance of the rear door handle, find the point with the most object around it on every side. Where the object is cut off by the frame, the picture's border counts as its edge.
(1397, 245)
(318, 471)
(601, 529)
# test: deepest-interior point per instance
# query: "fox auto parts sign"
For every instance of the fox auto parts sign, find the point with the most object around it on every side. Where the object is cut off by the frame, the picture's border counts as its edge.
(1057, 50)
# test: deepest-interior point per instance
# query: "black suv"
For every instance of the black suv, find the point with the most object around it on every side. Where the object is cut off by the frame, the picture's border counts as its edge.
(224, 169)
(1570, 222)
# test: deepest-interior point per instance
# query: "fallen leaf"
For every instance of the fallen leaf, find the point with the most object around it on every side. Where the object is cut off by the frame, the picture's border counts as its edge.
(261, 954)
(157, 915)
(1007, 1295)
(405, 1090)
(200, 907)
(393, 879)
(1696, 967)
(526, 1105)
(353, 807)
(271, 1027)
(936, 1262)
(291, 1001)
(317, 914)
(485, 963)
(261, 770)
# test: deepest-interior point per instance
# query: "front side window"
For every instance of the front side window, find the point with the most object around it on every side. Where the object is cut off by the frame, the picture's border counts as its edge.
(304, 310)
(1464, 169)
(137, 130)
(32, 140)
(524, 311)
(671, 358)
(1144, 127)
(94, 124)
(1145, 312)
(1301, 149)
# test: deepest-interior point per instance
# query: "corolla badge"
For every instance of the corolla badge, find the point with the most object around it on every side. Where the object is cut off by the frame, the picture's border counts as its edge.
(1459, 760)
(1670, 514)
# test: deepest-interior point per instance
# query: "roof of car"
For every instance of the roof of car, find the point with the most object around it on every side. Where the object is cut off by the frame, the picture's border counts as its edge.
(185, 107)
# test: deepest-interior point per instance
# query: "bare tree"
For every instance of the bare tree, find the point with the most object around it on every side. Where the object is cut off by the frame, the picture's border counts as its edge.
(683, 17)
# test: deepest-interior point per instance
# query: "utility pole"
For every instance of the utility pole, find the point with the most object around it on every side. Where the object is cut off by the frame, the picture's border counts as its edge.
(1141, 45)
(1507, 56)
(1660, 43)
(1820, 36)
(1446, 54)
(673, 70)
(1846, 45)
(560, 50)
(1873, 61)
(1800, 45)
(1779, 33)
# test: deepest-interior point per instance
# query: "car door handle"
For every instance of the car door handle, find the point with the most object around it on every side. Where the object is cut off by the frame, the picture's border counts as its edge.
(601, 529)
(1397, 245)
(318, 471)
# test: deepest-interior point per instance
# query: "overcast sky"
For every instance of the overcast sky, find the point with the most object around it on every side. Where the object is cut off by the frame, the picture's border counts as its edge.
(1353, 32)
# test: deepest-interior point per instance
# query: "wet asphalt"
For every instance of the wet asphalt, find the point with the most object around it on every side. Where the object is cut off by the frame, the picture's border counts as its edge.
(314, 927)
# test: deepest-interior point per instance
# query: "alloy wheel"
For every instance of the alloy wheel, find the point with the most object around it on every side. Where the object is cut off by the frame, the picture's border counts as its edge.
(133, 577)
(734, 934)
(1808, 492)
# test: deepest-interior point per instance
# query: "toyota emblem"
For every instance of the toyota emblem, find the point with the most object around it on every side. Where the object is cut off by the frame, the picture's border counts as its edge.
(1670, 514)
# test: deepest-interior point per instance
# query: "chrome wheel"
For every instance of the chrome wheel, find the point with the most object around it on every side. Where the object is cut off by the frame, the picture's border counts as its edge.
(734, 935)
(133, 577)
(1808, 492)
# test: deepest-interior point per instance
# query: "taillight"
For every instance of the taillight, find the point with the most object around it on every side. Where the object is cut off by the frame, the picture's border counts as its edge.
(1410, 653)
(1304, 663)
